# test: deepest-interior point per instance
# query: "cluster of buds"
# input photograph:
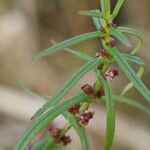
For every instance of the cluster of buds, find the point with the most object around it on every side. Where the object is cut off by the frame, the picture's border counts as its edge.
(75, 108)
(87, 89)
(102, 53)
(90, 92)
(110, 74)
(55, 133)
(85, 117)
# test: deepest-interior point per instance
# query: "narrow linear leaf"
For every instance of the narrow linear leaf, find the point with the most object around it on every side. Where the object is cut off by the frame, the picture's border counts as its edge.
(129, 72)
(79, 129)
(110, 122)
(68, 43)
(69, 84)
(119, 36)
(130, 85)
(97, 22)
(30, 92)
(127, 101)
(133, 59)
(86, 57)
(131, 102)
(38, 124)
(81, 55)
(105, 7)
(91, 13)
(117, 8)
(134, 33)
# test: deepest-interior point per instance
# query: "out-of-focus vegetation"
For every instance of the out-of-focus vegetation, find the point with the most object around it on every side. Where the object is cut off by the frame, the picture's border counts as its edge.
(27, 26)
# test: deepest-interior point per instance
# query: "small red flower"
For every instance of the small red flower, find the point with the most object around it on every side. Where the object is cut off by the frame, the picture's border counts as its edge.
(55, 133)
(74, 109)
(110, 74)
(85, 117)
(66, 140)
(88, 90)
(102, 53)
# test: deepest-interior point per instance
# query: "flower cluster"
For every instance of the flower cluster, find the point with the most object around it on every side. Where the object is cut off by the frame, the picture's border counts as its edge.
(85, 117)
(102, 53)
(88, 89)
(56, 134)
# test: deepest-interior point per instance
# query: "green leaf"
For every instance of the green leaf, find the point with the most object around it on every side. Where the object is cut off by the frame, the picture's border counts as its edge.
(38, 124)
(129, 72)
(91, 13)
(30, 92)
(131, 102)
(133, 59)
(130, 85)
(117, 8)
(79, 129)
(127, 101)
(110, 122)
(97, 23)
(105, 7)
(119, 36)
(69, 84)
(81, 55)
(67, 43)
(134, 33)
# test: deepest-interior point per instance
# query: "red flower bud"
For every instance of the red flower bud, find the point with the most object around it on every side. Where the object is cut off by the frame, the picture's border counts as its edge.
(85, 117)
(88, 90)
(74, 109)
(66, 140)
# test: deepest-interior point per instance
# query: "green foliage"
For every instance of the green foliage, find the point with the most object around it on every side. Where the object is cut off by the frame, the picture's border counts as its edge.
(38, 124)
(117, 8)
(110, 122)
(69, 84)
(53, 107)
(67, 43)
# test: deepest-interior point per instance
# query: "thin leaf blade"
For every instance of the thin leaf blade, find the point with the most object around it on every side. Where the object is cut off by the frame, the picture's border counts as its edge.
(110, 121)
(130, 85)
(105, 7)
(134, 33)
(91, 13)
(68, 43)
(129, 72)
(117, 8)
(119, 36)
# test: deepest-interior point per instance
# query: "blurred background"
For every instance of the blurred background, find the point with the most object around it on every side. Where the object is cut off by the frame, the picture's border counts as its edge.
(27, 27)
